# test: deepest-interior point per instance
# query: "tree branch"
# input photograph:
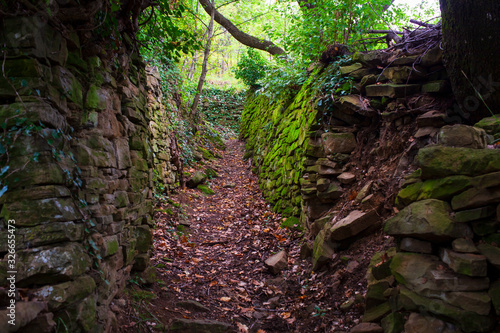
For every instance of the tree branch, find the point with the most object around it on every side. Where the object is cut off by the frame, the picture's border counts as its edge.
(239, 35)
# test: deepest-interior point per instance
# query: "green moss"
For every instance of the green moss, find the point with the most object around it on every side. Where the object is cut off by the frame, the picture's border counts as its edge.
(205, 189)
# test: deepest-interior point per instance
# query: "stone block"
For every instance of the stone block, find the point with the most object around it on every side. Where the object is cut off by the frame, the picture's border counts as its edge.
(353, 224)
(35, 212)
(63, 294)
(492, 254)
(344, 143)
(50, 264)
(474, 214)
(466, 320)
(47, 233)
(440, 86)
(323, 250)
(435, 161)
(392, 90)
(462, 136)
(277, 262)
(415, 245)
(465, 263)
(420, 272)
(427, 220)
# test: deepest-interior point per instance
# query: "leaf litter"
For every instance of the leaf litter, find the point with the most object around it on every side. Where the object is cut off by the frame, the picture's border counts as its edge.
(212, 249)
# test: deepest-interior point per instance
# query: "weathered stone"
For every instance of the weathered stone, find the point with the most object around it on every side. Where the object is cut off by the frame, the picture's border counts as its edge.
(392, 90)
(465, 263)
(24, 313)
(376, 313)
(462, 136)
(427, 220)
(326, 162)
(476, 197)
(122, 153)
(314, 148)
(198, 178)
(278, 262)
(192, 306)
(467, 321)
(440, 86)
(343, 143)
(353, 224)
(51, 264)
(474, 214)
(365, 190)
(351, 104)
(426, 131)
(144, 238)
(199, 326)
(333, 192)
(494, 293)
(490, 124)
(375, 293)
(421, 272)
(478, 302)
(346, 178)
(327, 171)
(379, 267)
(431, 119)
(47, 233)
(205, 189)
(418, 323)
(43, 323)
(393, 323)
(319, 224)
(415, 245)
(63, 294)
(367, 328)
(404, 74)
(141, 262)
(492, 254)
(464, 246)
(322, 184)
(323, 250)
(439, 161)
(433, 57)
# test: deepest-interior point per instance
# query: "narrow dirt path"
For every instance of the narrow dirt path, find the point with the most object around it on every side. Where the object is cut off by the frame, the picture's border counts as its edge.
(219, 259)
(212, 251)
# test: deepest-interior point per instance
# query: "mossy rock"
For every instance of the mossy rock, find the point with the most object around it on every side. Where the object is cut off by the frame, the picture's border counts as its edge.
(438, 161)
(291, 223)
(211, 173)
(205, 189)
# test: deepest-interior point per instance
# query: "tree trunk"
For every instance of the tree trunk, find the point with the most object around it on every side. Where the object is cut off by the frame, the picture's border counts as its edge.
(240, 36)
(203, 74)
(471, 29)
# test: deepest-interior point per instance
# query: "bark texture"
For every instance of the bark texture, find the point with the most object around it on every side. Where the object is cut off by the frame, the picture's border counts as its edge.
(471, 29)
(239, 35)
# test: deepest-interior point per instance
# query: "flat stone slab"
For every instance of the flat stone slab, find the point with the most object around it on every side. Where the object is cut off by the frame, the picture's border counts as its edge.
(277, 262)
(200, 326)
(428, 220)
(465, 263)
(392, 90)
(353, 224)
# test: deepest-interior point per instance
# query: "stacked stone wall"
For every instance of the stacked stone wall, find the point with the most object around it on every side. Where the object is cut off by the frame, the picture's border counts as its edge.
(84, 151)
(444, 271)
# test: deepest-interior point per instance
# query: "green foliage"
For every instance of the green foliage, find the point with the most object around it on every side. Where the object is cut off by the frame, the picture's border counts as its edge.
(250, 68)
(283, 79)
(222, 107)
(162, 36)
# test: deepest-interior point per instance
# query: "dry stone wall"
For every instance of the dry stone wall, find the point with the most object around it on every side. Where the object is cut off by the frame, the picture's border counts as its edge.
(89, 142)
(444, 272)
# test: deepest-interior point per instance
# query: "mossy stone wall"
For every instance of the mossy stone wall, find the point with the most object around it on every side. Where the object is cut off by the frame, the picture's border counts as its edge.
(81, 188)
